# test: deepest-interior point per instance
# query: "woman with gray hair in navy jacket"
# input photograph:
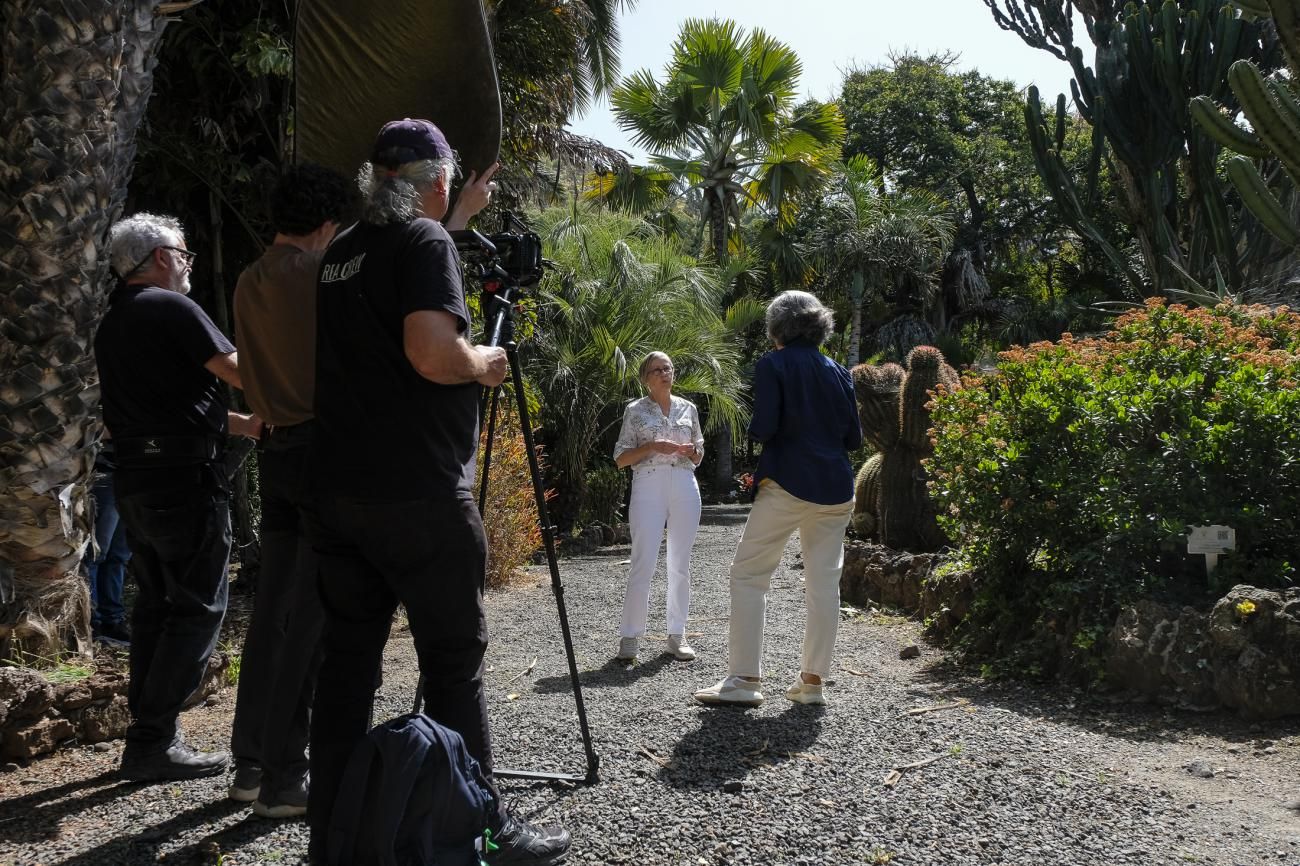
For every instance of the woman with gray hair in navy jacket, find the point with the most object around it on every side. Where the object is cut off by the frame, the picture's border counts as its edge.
(806, 418)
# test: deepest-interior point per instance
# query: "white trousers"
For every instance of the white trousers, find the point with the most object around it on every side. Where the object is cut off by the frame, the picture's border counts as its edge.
(775, 515)
(661, 496)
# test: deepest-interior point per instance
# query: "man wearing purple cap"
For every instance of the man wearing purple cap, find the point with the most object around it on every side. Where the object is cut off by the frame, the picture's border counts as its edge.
(397, 393)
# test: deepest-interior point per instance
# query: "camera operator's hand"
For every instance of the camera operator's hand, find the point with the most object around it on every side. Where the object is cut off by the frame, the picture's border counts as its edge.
(474, 196)
(494, 357)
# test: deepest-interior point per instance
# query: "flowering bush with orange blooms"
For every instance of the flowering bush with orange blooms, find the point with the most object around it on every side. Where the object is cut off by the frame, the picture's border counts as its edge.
(510, 521)
(1071, 473)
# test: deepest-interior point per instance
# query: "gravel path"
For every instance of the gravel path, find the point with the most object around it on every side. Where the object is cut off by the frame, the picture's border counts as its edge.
(1024, 775)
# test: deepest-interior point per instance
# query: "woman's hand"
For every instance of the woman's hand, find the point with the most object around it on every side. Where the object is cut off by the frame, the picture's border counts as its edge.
(664, 446)
(687, 450)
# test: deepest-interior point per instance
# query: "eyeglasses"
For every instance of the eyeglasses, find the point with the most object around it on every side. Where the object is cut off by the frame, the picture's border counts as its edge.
(187, 255)
(659, 370)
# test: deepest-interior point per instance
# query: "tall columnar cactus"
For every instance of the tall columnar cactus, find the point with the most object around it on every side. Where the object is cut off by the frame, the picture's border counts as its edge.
(891, 503)
(1151, 57)
(1272, 106)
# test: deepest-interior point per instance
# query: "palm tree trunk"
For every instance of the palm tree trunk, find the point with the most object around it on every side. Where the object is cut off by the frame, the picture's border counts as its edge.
(856, 294)
(76, 80)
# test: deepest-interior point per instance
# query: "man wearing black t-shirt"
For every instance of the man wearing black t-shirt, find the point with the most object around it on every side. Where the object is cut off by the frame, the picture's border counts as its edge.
(397, 392)
(160, 359)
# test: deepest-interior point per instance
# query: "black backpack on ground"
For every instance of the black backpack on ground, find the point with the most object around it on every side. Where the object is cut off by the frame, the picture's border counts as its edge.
(411, 796)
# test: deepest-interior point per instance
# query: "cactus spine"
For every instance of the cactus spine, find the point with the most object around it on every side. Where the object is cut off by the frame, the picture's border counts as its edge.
(891, 503)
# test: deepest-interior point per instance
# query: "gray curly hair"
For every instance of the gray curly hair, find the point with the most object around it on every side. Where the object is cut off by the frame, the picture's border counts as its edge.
(391, 196)
(796, 315)
(131, 240)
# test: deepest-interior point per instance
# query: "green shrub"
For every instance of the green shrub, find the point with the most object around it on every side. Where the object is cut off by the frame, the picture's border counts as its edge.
(602, 502)
(1071, 474)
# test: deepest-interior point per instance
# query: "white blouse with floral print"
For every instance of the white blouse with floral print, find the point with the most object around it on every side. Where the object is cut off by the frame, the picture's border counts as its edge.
(645, 422)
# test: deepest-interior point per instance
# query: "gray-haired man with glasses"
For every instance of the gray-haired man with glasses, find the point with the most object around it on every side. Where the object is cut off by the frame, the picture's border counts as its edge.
(161, 360)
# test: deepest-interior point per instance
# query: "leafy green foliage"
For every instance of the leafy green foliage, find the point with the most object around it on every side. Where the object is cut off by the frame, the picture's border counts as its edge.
(874, 245)
(606, 490)
(960, 137)
(621, 291)
(1071, 474)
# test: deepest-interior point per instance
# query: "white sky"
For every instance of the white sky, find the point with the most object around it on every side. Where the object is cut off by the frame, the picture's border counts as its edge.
(833, 36)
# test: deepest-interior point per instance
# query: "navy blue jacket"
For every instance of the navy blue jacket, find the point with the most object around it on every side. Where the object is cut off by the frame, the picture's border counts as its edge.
(806, 417)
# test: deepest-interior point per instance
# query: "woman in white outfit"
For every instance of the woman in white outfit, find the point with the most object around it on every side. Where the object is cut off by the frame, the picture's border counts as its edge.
(661, 440)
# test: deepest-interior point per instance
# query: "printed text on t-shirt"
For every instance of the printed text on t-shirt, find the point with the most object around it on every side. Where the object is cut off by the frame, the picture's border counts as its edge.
(334, 273)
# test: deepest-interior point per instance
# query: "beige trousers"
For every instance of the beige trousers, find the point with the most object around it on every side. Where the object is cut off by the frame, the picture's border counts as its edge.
(775, 515)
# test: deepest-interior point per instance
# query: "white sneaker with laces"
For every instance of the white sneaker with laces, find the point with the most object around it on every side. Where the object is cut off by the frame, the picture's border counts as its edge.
(805, 693)
(680, 649)
(732, 690)
(627, 648)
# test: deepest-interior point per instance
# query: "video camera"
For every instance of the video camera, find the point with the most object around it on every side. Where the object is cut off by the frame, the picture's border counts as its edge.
(510, 257)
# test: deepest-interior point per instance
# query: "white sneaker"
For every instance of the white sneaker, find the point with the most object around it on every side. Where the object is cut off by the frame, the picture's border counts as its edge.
(627, 647)
(805, 693)
(732, 690)
(680, 649)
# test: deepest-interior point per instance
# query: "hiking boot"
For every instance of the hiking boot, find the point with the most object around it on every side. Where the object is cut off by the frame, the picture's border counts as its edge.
(627, 648)
(178, 761)
(247, 783)
(114, 634)
(805, 693)
(517, 841)
(290, 802)
(680, 649)
(733, 690)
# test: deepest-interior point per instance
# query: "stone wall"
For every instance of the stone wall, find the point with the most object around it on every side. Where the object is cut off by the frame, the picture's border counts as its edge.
(910, 582)
(1243, 654)
(37, 716)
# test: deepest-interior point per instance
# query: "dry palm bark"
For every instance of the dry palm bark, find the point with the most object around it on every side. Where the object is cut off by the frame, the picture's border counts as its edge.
(75, 77)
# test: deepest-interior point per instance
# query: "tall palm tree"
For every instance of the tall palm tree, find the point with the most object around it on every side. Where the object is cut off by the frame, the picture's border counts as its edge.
(725, 121)
(879, 244)
(621, 292)
(76, 78)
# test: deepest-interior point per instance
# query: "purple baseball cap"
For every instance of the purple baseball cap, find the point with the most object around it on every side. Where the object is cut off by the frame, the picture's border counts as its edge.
(407, 140)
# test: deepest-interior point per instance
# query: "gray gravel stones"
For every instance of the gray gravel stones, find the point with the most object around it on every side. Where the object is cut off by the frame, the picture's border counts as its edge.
(1029, 775)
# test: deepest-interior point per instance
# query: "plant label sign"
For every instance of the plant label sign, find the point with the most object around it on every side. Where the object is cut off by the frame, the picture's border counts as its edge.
(1211, 539)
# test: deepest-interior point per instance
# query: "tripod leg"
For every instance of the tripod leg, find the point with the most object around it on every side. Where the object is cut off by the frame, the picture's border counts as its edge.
(493, 400)
(548, 540)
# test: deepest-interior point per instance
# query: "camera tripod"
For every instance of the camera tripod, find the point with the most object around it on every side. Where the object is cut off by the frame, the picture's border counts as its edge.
(498, 308)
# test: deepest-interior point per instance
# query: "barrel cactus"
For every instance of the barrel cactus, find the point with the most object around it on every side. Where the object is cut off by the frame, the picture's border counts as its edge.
(891, 504)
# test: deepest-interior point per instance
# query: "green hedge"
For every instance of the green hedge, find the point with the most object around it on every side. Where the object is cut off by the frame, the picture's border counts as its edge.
(1070, 475)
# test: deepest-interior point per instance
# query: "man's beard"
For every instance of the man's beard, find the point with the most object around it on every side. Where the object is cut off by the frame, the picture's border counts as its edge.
(181, 284)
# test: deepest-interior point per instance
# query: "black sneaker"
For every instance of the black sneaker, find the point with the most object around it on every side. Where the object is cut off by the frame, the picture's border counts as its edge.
(115, 634)
(517, 841)
(178, 761)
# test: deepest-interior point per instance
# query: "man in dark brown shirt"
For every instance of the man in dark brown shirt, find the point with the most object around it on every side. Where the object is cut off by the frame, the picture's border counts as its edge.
(275, 328)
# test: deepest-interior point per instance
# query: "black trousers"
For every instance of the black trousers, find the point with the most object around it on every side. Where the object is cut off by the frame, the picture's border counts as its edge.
(178, 528)
(429, 556)
(277, 675)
